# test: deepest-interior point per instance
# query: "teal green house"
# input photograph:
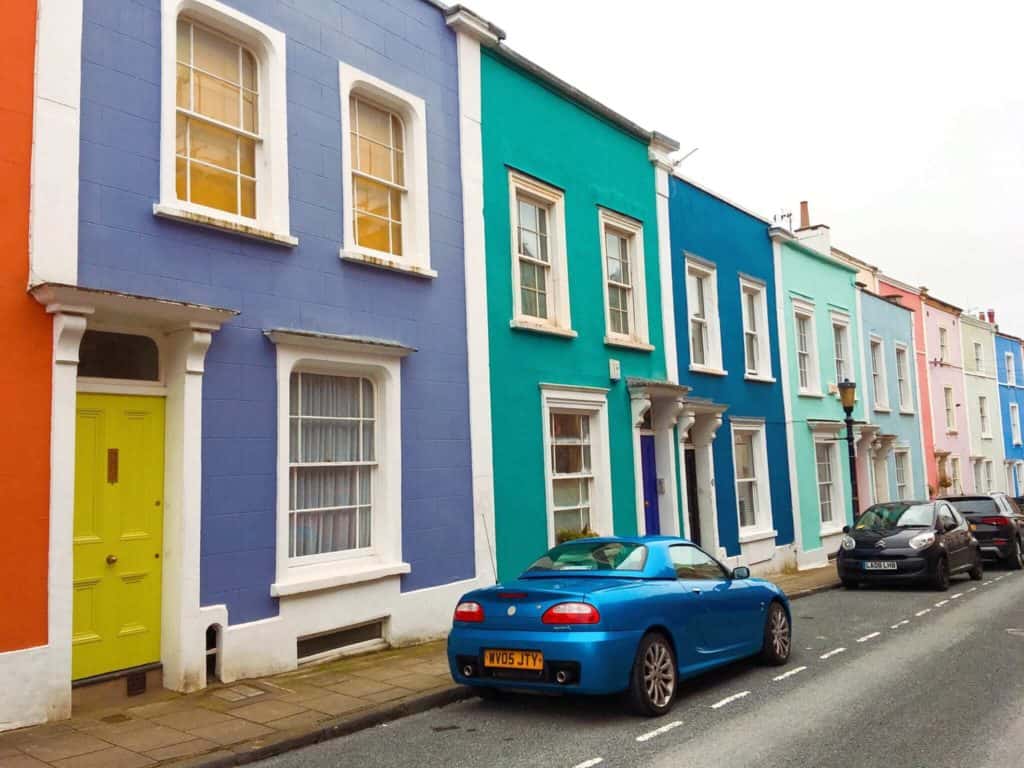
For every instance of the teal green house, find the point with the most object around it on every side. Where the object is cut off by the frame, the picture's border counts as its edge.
(819, 319)
(582, 415)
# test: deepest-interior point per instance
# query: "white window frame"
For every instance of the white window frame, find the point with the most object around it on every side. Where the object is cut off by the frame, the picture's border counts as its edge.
(979, 357)
(1011, 369)
(633, 230)
(1015, 423)
(949, 405)
(805, 309)
(830, 439)
(904, 388)
(1009, 479)
(841, 320)
(989, 476)
(984, 418)
(907, 485)
(708, 272)
(979, 479)
(272, 222)
(955, 475)
(879, 374)
(756, 288)
(559, 319)
(412, 110)
(943, 344)
(762, 490)
(588, 401)
(336, 356)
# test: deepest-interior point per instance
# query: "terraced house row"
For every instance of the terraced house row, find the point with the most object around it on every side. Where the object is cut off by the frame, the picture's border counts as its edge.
(324, 312)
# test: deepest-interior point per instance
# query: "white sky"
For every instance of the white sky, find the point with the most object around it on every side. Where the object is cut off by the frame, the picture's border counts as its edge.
(901, 122)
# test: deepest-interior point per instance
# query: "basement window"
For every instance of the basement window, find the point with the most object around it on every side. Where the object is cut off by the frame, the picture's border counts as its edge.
(338, 640)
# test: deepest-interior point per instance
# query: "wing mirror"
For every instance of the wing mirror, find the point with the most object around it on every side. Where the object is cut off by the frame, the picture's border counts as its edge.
(742, 572)
(846, 529)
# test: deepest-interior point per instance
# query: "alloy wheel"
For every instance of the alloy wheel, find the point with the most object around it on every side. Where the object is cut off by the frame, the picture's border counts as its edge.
(659, 674)
(780, 633)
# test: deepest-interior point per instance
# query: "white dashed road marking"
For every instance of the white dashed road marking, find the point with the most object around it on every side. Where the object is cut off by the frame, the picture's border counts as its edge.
(985, 584)
(657, 732)
(941, 603)
(958, 594)
(791, 672)
(832, 653)
(922, 613)
(899, 624)
(589, 763)
(864, 639)
(730, 699)
(973, 589)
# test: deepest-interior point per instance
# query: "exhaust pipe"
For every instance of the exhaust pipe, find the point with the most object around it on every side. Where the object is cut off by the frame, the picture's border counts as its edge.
(467, 670)
(561, 677)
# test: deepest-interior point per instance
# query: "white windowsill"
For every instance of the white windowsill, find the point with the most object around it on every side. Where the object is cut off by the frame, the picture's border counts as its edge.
(382, 261)
(752, 536)
(224, 224)
(883, 409)
(906, 412)
(819, 395)
(344, 576)
(526, 325)
(952, 431)
(643, 346)
(824, 532)
(760, 378)
(709, 370)
(986, 437)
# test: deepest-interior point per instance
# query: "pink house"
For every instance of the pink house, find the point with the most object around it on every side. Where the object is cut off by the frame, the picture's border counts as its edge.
(911, 298)
(948, 397)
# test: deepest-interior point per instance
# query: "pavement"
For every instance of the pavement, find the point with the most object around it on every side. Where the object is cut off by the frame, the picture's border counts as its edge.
(878, 677)
(242, 722)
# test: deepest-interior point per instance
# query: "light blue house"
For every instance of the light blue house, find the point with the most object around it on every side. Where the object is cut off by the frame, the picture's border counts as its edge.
(1010, 369)
(734, 461)
(895, 449)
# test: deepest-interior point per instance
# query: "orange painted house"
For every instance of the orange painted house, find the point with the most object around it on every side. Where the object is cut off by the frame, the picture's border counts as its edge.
(26, 334)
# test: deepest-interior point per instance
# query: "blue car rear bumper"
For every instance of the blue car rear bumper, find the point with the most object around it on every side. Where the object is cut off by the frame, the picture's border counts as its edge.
(593, 662)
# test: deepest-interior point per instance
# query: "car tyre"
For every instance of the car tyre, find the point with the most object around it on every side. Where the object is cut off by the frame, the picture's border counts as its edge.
(778, 636)
(977, 572)
(654, 679)
(1015, 559)
(940, 579)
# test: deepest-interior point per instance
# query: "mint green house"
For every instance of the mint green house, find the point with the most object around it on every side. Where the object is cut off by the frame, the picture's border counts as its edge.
(582, 414)
(819, 313)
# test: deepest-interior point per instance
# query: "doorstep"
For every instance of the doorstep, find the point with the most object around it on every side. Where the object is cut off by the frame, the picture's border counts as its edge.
(239, 723)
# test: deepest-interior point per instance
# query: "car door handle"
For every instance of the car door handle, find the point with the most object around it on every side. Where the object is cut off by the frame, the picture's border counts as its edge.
(695, 590)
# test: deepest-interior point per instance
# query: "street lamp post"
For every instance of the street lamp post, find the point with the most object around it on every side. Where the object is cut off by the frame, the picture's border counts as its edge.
(848, 396)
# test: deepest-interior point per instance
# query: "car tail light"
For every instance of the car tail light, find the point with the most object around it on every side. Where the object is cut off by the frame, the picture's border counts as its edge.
(999, 522)
(469, 611)
(571, 613)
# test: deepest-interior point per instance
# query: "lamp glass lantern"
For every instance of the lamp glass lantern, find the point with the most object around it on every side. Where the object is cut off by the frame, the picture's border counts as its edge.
(847, 394)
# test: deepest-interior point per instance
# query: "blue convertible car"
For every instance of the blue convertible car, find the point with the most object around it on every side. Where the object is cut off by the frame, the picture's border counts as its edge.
(616, 614)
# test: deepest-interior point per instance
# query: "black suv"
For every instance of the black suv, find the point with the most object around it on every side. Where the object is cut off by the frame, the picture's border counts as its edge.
(997, 524)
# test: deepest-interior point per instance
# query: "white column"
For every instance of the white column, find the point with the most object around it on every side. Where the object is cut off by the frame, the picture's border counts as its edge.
(658, 153)
(666, 415)
(703, 434)
(639, 404)
(182, 630)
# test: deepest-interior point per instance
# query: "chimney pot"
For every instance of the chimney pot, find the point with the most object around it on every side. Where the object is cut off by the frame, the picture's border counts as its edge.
(805, 215)
(981, 316)
(992, 316)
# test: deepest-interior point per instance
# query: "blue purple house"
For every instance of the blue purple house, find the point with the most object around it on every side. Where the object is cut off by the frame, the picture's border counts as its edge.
(261, 283)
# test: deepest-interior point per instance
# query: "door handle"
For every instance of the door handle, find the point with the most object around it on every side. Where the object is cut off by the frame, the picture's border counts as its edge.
(111, 559)
(695, 590)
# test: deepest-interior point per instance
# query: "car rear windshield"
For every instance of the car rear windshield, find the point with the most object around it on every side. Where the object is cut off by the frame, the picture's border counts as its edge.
(883, 517)
(976, 506)
(592, 556)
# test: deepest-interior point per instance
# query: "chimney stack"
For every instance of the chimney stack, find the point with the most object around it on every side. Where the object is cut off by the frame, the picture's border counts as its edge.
(992, 316)
(805, 215)
(981, 316)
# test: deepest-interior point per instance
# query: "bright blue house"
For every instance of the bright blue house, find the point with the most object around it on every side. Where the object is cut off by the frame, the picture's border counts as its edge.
(736, 494)
(895, 448)
(1010, 370)
(263, 290)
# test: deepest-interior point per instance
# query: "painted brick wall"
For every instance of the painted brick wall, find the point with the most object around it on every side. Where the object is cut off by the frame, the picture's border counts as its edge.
(123, 247)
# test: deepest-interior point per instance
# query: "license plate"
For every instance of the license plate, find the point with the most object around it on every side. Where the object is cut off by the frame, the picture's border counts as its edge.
(532, 660)
(880, 565)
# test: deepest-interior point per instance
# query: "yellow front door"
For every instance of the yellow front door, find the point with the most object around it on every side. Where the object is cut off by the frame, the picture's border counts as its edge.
(118, 536)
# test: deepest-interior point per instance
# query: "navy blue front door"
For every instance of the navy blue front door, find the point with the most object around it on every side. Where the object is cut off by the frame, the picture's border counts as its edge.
(650, 478)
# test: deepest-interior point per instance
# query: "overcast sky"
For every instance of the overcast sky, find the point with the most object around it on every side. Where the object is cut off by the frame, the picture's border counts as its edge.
(901, 122)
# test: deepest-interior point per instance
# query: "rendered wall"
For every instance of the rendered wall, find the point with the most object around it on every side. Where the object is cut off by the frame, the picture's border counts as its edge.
(948, 374)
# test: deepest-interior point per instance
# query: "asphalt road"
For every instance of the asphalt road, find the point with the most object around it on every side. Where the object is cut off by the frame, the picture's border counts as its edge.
(878, 677)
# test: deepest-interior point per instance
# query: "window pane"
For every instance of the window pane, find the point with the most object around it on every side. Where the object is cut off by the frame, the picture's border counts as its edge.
(184, 41)
(697, 349)
(216, 99)
(372, 232)
(249, 71)
(744, 455)
(216, 55)
(328, 440)
(528, 302)
(371, 197)
(397, 133)
(568, 459)
(396, 205)
(319, 487)
(250, 112)
(529, 244)
(374, 123)
(107, 355)
(569, 493)
(217, 189)
(213, 145)
(527, 216)
(379, 161)
(336, 396)
(567, 426)
(746, 502)
(572, 519)
(184, 97)
(181, 178)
